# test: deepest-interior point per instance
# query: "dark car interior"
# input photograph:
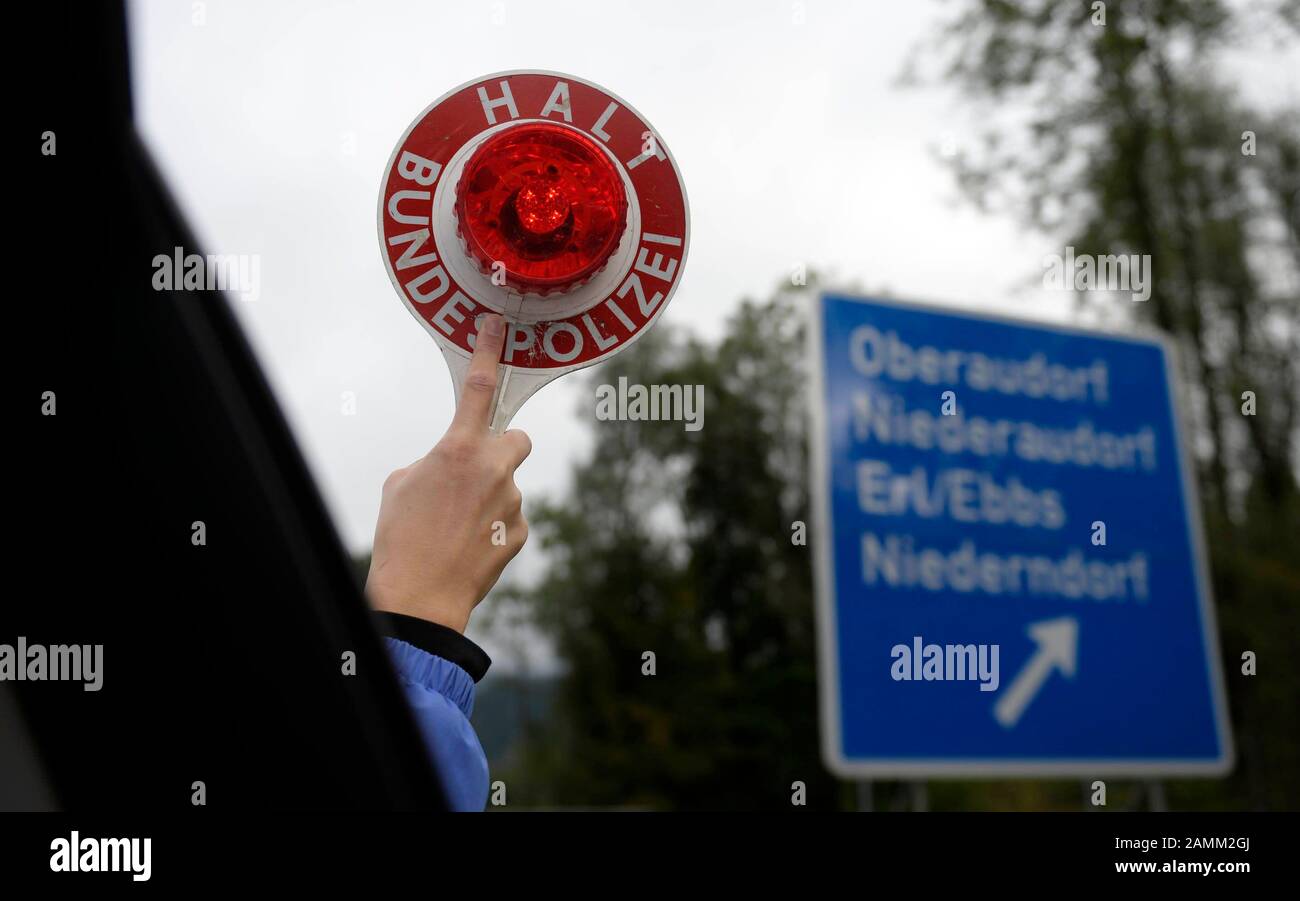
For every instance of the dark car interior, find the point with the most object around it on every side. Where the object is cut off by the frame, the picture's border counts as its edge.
(224, 645)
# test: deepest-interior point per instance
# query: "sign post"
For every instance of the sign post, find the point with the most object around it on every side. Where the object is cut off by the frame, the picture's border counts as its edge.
(1010, 572)
(544, 198)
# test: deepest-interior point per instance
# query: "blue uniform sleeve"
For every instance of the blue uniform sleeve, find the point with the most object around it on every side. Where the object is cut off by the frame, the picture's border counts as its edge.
(441, 695)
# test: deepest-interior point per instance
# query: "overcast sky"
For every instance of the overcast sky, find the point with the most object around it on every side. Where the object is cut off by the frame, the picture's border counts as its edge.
(273, 122)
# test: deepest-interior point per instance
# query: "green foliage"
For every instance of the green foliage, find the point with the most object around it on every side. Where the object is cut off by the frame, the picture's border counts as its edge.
(679, 543)
(1115, 138)
(1133, 144)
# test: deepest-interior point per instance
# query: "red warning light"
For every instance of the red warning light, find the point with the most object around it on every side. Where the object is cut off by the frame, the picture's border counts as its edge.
(535, 195)
(543, 200)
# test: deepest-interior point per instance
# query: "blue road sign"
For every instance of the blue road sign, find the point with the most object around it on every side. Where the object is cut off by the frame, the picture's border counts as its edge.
(1010, 575)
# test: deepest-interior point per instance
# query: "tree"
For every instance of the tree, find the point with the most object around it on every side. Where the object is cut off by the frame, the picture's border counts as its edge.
(1115, 138)
(680, 543)
(1108, 125)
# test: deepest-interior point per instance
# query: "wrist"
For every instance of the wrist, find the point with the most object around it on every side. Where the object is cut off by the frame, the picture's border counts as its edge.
(432, 640)
(438, 610)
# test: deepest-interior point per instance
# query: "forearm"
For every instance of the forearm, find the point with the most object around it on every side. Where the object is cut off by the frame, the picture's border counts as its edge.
(438, 669)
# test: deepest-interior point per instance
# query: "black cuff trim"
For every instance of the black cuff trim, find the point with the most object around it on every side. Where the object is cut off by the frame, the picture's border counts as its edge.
(435, 639)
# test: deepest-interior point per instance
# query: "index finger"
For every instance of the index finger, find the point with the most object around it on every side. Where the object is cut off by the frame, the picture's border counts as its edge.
(475, 408)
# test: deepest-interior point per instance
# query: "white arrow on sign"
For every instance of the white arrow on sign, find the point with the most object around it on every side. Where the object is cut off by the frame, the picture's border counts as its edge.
(1058, 647)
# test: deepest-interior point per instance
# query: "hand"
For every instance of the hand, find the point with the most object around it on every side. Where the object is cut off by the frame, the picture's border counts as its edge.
(451, 521)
